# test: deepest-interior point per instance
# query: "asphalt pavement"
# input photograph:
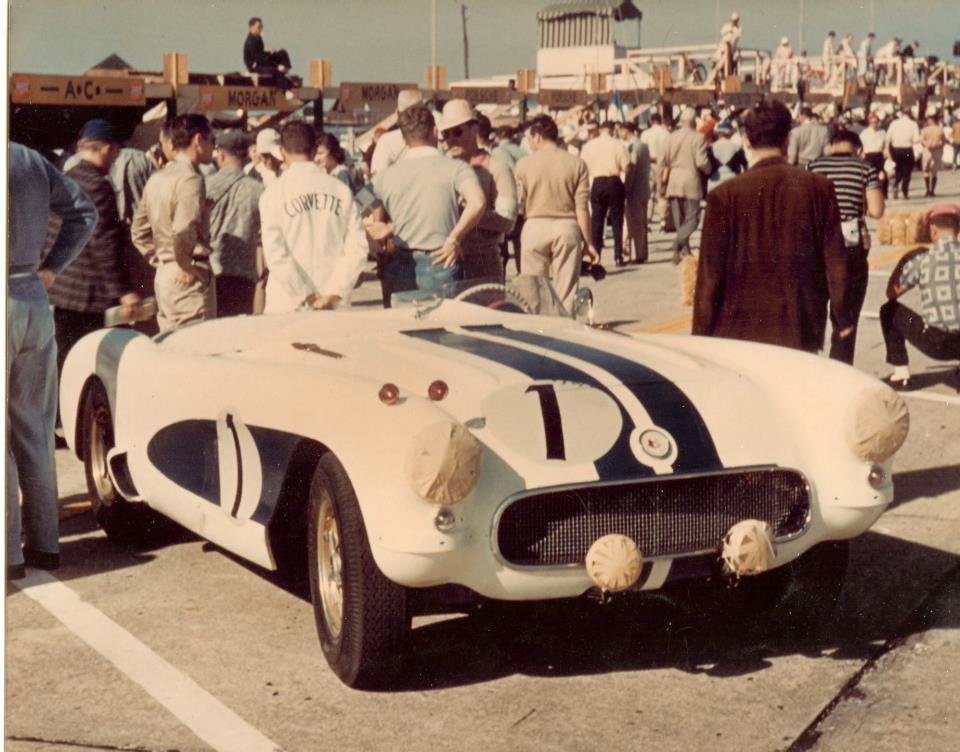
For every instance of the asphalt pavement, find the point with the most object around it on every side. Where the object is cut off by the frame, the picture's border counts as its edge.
(177, 645)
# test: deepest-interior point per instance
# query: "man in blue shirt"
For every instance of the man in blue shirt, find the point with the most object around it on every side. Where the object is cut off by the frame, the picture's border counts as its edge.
(35, 188)
(936, 330)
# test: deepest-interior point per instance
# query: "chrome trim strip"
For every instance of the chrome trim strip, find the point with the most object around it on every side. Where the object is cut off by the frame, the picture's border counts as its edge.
(495, 543)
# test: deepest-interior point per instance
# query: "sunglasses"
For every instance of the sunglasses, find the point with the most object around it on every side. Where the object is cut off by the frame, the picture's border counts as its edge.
(454, 132)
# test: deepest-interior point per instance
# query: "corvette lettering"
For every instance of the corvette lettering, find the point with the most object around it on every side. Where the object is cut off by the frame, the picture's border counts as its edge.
(313, 202)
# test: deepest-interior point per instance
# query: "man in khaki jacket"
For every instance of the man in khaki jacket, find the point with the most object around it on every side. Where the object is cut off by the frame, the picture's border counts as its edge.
(171, 228)
(684, 164)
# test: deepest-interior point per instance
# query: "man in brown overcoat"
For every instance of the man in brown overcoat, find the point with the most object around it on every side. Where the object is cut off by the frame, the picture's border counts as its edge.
(772, 254)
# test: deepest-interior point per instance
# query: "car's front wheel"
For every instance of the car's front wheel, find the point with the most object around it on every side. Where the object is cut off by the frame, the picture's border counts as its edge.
(361, 616)
(109, 508)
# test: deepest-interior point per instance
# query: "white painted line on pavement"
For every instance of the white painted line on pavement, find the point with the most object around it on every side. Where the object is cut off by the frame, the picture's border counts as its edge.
(932, 397)
(880, 273)
(870, 314)
(196, 708)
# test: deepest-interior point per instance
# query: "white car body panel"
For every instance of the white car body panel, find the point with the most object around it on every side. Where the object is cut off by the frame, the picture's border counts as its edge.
(238, 388)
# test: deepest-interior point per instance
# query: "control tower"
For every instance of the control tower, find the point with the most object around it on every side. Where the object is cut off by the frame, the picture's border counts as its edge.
(582, 37)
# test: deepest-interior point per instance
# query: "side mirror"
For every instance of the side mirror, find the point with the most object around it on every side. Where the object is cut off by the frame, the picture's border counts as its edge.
(582, 307)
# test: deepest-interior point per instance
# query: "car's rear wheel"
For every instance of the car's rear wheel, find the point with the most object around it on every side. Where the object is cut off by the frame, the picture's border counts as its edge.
(121, 520)
(361, 616)
(798, 599)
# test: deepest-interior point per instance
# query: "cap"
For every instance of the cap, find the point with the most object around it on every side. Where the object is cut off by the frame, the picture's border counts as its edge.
(455, 112)
(98, 130)
(687, 115)
(944, 209)
(734, 16)
(407, 98)
(268, 142)
(724, 128)
(234, 141)
(784, 40)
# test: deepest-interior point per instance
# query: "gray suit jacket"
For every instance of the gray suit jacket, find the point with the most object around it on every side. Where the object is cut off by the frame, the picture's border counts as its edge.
(637, 179)
(808, 141)
(687, 158)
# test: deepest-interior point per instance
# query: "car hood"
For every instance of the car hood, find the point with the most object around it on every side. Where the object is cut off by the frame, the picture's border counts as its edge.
(490, 362)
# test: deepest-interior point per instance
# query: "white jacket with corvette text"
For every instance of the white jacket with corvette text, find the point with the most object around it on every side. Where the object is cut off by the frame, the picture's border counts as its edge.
(313, 242)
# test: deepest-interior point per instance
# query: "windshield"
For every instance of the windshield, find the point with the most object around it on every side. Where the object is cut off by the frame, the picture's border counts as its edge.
(524, 293)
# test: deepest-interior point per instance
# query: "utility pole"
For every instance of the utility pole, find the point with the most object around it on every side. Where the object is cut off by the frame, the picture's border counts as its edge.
(433, 36)
(800, 45)
(466, 42)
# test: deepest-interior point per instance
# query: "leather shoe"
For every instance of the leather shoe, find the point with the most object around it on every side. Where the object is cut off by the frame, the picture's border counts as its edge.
(16, 571)
(900, 385)
(41, 559)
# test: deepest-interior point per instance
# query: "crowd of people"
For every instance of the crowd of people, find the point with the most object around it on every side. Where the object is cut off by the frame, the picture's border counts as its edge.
(228, 223)
(838, 62)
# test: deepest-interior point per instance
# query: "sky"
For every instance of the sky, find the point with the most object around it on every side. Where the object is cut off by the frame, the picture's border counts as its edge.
(389, 40)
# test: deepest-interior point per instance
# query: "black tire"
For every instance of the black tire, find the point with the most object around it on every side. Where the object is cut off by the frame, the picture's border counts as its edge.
(797, 600)
(374, 624)
(121, 520)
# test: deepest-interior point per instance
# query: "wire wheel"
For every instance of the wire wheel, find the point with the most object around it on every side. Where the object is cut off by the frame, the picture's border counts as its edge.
(330, 576)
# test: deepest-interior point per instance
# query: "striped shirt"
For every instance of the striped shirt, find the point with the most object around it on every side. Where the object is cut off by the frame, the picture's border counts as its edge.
(851, 177)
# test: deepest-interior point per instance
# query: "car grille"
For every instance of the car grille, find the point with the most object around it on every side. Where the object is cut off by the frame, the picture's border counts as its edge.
(668, 517)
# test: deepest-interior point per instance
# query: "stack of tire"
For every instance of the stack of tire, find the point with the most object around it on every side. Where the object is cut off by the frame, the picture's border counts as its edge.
(902, 228)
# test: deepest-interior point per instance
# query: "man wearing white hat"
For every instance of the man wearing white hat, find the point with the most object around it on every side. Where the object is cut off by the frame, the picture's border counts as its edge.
(684, 164)
(783, 65)
(266, 169)
(827, 56)
(725, 58)
(865, 55)
(481, 247)
(391, 146)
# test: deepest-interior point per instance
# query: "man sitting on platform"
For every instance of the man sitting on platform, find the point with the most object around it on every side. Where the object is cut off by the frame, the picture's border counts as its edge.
(260, 61)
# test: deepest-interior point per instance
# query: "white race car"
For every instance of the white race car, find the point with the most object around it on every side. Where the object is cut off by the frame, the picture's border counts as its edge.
(514, 456)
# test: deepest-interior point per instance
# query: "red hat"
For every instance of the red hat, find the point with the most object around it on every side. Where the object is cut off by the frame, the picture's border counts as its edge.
(941, 210)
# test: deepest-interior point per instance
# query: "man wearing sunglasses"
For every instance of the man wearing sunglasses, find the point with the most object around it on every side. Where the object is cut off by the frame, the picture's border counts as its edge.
(481, 248)
(420, 224)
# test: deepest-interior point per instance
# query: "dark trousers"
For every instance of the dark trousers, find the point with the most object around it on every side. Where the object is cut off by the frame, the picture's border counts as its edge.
(71, 326)
(270, 61)
(686, 218)
(858, 274)
(234, 295)
(513, 237)
(901, 325)
(875, 159)
(904, 160)
(606, 198)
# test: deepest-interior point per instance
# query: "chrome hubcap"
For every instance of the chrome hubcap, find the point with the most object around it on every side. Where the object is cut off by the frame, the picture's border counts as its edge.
(330, 566)
(98, 456)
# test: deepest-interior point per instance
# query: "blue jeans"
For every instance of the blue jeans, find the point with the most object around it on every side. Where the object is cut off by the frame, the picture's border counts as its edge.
(413, 270)
(31, 413)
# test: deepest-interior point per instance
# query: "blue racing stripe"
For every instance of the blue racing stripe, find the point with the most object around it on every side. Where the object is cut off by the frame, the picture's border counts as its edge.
(619, 462)
(663, 400)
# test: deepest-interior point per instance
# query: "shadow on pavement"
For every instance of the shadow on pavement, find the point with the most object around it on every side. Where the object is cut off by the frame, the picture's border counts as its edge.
(929, 482)
(85, 551)
(888, 578)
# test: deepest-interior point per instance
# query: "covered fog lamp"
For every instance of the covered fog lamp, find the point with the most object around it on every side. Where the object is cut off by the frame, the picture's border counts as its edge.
(444, 463)
(878, 425)
(614, 563)
(748, 548)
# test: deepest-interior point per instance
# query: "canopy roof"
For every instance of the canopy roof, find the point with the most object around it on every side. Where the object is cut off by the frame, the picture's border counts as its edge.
(619, 10)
